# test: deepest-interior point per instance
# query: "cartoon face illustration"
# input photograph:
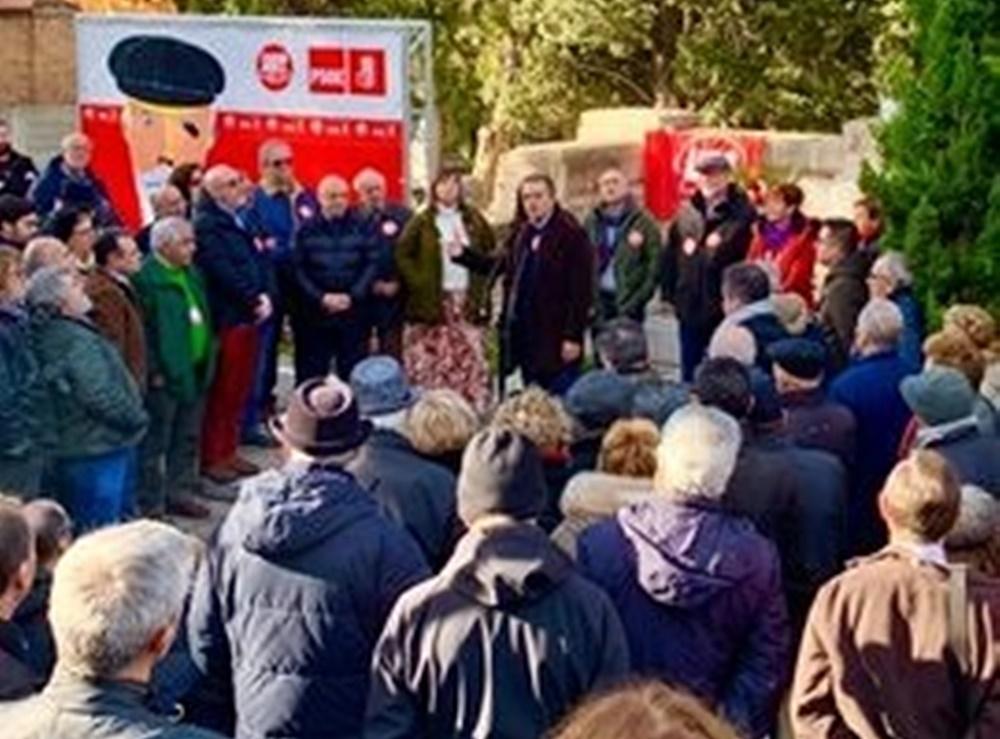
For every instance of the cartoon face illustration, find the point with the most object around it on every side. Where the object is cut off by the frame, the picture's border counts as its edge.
(158, 135)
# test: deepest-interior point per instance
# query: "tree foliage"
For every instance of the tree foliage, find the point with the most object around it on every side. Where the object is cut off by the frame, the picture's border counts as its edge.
(940, 180)
(526, 68)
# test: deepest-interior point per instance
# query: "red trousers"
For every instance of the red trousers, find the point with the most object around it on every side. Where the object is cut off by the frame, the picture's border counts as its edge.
(234, 374)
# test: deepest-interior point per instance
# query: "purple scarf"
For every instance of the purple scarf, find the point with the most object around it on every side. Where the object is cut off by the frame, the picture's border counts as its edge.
(776, 235)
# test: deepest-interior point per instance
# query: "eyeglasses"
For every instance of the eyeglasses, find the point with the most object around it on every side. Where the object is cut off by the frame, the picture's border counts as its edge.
(286, 162)
(85, 231)
(234, 182)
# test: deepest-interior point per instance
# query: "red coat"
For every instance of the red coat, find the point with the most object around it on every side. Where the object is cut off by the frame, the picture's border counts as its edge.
(795, 260)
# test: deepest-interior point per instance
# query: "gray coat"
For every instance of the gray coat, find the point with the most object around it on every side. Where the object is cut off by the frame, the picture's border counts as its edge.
(71, 708)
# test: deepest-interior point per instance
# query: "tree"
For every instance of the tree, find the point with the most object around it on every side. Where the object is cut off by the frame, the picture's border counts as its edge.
(940, 177)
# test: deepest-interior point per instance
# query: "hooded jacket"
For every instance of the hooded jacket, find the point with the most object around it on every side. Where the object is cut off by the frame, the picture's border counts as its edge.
(699, 594)
(291, 599)
(501, 644)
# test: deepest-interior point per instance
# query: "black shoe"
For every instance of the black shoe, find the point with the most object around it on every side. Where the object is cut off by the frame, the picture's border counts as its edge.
(258, 437)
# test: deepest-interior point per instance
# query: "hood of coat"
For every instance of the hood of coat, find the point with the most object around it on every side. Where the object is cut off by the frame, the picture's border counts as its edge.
(284, 512)
(602, 494)
(687, 553)
(506, 565)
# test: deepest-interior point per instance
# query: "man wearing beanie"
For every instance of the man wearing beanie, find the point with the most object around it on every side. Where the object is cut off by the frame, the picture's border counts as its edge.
(944, 404)
(508, 637)
(298, 581)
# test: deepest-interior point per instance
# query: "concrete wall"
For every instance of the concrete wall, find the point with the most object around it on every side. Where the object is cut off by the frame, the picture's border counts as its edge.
(37, 54)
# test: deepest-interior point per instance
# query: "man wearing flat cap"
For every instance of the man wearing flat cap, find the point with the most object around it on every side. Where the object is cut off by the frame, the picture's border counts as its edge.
(169, 87)
(301, 576)
(711, 231)
(508, 636)
(812, 420)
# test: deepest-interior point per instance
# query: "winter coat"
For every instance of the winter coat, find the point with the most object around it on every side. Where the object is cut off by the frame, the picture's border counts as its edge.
(32, 617)
(763, 324)
(291, 598)
(869, 388)
(21, 389)
(912, 340)
(228, 259)
(17, 679)
(635, 256)
(504, 642)
(389, 224)
(552, 305)
(875, 662)
(420, 266)
(278, 216)
(93, 404)
(17, 174)
(415, 493)
(813, 421)
(168, 330)
(72, 707)
(693, 282)
(335, 255)
(699, 593)
(845, 292)
(118, 316)
(973, 455)
(591, 497)
(795, 260)
(49, 188)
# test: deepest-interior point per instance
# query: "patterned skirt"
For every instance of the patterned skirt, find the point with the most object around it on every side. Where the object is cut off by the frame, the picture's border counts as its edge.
(449, 355)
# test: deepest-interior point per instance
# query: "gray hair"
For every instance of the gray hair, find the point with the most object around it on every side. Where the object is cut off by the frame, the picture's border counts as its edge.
(892, 265)
(43, 251)
(167, 231)
(113, 590)
(48, 287)
(978, 519)
(880, 324)
(733, 341)
(697, 453)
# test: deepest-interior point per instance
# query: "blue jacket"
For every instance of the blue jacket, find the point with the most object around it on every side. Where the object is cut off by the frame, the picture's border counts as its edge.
(699, 593)
(49, 188)
(336, 255)
(388, 224)
(279, 215)
(869, 387)
(291, 599)
(912, 341)
(229, 262)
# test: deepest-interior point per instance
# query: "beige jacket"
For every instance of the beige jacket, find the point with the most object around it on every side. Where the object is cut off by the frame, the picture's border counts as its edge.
(591, 497)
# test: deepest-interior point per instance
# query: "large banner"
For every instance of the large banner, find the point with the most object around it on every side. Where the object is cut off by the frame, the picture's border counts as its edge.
(672, 155)
(155, 91)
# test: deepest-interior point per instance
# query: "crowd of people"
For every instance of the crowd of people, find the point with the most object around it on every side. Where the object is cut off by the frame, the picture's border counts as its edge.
(799, 536)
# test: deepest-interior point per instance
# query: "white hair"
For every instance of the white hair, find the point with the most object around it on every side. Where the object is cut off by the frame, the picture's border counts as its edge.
(168, 231)
(368, 174)
(49, 287)
(880, 324)
(41, 252)
(978, 519)
(892, 265)
(697, 453)
(735, 342)
(113, 590)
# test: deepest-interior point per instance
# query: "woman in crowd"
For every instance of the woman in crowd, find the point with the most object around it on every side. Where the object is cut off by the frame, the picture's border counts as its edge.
(890, 278)
(95, 412)
(20, 453)
(786, 240)
(439, 425)
(626, 463)
(187, 178)
(445, 256)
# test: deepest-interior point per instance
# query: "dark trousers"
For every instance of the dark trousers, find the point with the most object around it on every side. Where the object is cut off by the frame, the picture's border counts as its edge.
(694, 342)
(228, 395)
(169, 453)
(269, 338)
(94, 489)
(22, 476)
(340, 341)
(557, 383)
(387, 321)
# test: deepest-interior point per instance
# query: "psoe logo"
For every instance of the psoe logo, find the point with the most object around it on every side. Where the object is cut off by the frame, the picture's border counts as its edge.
(334, 70)
(328, 70)
(274, 67)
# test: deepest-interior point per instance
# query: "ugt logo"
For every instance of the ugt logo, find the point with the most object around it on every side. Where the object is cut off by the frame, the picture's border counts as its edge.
(274, 67)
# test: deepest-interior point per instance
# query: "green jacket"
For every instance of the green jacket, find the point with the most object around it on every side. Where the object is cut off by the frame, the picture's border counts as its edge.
(93, 402)
(636, 257)
(418, 259)
(168, 331)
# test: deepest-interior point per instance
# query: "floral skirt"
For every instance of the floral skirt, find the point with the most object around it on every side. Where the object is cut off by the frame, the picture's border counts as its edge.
(449, 355)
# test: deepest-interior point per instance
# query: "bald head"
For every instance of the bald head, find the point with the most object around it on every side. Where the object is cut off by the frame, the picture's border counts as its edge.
(168, 201)
(333, 194)
(224, 185)
(76, 150)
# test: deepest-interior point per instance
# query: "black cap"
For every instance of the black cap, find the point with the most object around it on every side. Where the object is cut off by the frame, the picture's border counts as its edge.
(801, 358)
(501, 473)
(166, 71)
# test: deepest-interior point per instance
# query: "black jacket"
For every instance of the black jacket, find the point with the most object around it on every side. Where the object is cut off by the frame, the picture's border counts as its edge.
(228, 259)
(17, 174)
(411, 490)
(974, 455)
(336, 255)
(845, 292)
(17, 679)
(501, 644)
(813, 421)
(692, 282)
(291, 598)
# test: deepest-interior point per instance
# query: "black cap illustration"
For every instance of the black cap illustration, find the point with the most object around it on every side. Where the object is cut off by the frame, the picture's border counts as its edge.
(166, 71)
